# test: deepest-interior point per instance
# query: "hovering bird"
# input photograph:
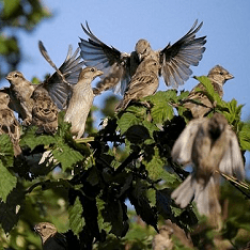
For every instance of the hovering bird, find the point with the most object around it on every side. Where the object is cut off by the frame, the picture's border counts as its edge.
(8, 123)
(80, 100)
(218, 76)
(209, 145)
(57, 85)
(144, 82)
(51, 239)
(174, 60)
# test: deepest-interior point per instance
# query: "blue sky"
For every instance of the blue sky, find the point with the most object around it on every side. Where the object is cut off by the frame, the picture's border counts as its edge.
(123, 23)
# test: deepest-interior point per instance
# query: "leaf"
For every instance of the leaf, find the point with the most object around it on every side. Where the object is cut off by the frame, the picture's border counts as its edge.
(10, 7)
(76, 221)
(137, 134)
(66, 155)
(127, 120)
(31, 140)
(8, 211)
(163, 202)
(7, 182)
(6, 150)
(244, 136)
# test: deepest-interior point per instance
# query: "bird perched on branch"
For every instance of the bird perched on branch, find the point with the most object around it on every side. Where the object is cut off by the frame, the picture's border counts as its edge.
(218, 76)
(174, 60)
(8, 123)
(22, 92)
(210, 146)
(163, 240)
(51, 239)
(144, 82)
(80, 101)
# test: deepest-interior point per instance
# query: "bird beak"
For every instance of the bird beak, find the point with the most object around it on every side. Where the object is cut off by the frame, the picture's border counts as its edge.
(8, 78)
(139, 55)
(98, 73)
(230, 77)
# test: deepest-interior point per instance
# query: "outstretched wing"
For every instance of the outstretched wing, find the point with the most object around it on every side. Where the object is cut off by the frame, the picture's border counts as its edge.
(176, 59)
(110, 60)
(59, 85)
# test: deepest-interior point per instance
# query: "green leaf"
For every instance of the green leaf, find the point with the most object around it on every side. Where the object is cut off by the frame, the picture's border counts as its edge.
(244, 136)
(66, 155)
(7, 182)
(6, 150)
(76, 221)
(127, 120)
(10, 7)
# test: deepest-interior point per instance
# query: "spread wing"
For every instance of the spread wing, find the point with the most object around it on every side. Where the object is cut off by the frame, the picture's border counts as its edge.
(176, 59)
(108, 59)
(182, 148)
(59, 85)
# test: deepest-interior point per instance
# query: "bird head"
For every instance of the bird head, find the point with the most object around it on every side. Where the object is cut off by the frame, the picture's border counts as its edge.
(142, 48)
(45, 230)
(4, 98)
(89, 73)
(219, 74)
(15, 77)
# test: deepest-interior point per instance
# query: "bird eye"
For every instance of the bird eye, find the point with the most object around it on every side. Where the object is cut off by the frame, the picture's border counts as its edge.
(221, 73)
(16, 75)
(44, 226)
(92, 70)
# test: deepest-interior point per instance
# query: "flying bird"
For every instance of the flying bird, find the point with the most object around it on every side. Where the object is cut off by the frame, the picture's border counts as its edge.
(51, 239)
(210, 146)
(80, 100)
(8, 123)
(218, 76)
(118, 67)
(144, 82)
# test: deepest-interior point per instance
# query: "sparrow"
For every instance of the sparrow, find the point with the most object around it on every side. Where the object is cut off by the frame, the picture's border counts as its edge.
(118, 67)
(80, 100)
(44, 112)
(211, 146)
(163, 240)
(218, 76)
(8, 123)
(57, 85)
(20, 91)
(144, 82)
(51, 239)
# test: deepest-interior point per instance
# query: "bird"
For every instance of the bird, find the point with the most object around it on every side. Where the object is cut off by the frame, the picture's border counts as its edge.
(144, 82)
(118, 67)
(80, 100)
(51, 239)
(8, 123)
(20, 91)
(163, 240)
(44, 112)
(211, 146)
(218, 76)
(57, 85)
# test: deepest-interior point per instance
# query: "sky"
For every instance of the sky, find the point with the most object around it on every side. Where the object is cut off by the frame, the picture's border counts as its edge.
(226, 24)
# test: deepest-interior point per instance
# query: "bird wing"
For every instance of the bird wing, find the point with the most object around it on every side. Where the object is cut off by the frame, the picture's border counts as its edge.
(182, 148)
(232, 162)
(59, 85)
(176, 59)
(108, 59)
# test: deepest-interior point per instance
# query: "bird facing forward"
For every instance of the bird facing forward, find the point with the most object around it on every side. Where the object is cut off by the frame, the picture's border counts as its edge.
(218, 76)
(51, 239)
(174, 60)
(209, 145)
(8, 123)
(80, 100)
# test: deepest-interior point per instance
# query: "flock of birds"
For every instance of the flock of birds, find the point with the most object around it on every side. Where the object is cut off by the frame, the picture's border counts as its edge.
(209, 145)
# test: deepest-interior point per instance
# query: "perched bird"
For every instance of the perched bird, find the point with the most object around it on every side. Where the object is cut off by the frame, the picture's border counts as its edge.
(174, 60)
(209, 145)
(144, 82)
(51, 239)
(44, 112)
(57, 85)
(218, 76)
(20, 92)
(80, 100)
(8, 123)
(163, 240)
